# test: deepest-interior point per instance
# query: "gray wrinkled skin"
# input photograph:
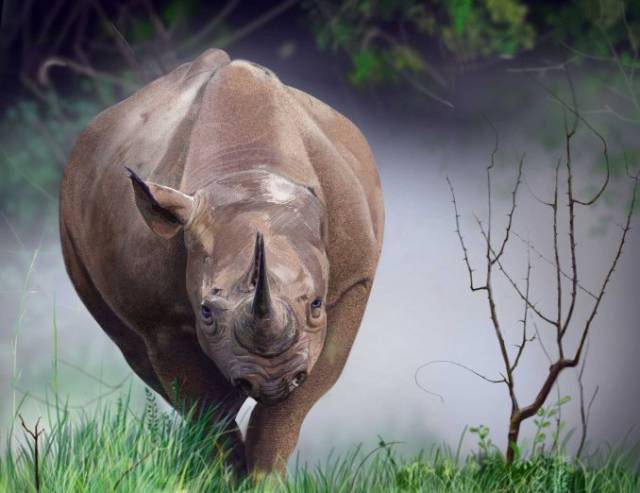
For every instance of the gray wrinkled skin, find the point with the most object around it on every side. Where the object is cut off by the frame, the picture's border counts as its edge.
(234, 254)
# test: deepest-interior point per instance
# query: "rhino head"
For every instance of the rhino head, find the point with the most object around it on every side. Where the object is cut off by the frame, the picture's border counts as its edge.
(256, 275)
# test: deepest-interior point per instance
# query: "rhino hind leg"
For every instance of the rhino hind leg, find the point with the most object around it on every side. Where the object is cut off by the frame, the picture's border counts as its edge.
(130, 344)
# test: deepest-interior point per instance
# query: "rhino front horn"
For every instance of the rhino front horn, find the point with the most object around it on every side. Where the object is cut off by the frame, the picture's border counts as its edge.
(261, 305)
(266, 325)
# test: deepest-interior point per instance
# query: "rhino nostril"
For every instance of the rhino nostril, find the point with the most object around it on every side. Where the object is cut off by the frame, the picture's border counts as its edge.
(300, 377)
(243, 385)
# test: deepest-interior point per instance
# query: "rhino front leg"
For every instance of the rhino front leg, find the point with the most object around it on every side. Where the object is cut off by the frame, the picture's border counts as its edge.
(183, 369)
(273, 430)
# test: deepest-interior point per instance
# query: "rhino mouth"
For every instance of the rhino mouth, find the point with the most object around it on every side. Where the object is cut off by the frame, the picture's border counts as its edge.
(268, 389)
(274, 392)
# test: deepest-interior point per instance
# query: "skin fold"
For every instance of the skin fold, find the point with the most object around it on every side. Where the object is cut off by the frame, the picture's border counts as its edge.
(224, 230)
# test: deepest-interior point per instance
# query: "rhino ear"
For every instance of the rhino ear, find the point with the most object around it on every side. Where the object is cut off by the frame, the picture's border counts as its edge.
(164, 209)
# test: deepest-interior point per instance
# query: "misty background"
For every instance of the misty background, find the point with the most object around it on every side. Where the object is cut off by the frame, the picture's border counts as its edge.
(421, 309)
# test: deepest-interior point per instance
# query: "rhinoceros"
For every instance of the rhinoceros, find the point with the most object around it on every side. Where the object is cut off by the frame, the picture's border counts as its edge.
(224, 230)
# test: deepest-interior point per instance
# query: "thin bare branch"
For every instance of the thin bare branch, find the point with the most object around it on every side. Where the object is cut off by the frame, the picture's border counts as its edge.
(605, 149)
(93, 377)
(524, 340)
(558, 267)
(211, 26)
(533, 194)
(165, 37)
(514, 194)
(508, 378)
(585, 412)
(515, 285)
(133, 466)
(551, 262)
(460, 365)
(543, 69)
(257, 23)
(420, 87)
(59, 61)
(608, 110)
(120, 41)
(614, 263)
(544, 348)
(383, 445)
(461, 239)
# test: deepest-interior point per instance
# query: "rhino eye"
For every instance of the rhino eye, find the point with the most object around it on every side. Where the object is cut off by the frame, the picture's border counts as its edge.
(206, 313)
(315, 307)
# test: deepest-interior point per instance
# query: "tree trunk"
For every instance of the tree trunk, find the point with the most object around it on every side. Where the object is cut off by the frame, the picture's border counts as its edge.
(514, 431)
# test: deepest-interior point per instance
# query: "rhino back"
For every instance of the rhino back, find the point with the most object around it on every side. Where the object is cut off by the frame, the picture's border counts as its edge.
(247, 120)
(148, 132)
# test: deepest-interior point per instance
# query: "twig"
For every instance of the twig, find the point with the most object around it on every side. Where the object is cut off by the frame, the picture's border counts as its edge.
(121, 43)
(584, 413)
(514, 194)
(544, 68)
(514, 284)
(210, 27)
(605, 150)
(132, 467)
(544, 348)
(554, 206)
(59, 61)
(93, 377)
(461, 239)
(550, 262)
(382, 445)
(35, 435)
(257, 23)
(608, 110)
(524, 341)
(625, 231)
(459, 365)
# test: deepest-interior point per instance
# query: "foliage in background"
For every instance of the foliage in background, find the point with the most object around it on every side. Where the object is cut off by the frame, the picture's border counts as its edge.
(74, 62)
(36, 140)
(429, 43)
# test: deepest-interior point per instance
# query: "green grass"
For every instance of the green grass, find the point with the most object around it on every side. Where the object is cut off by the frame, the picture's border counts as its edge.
(117, 449)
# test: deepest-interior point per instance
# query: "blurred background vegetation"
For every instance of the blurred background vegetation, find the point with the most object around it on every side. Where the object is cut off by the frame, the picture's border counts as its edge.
(62, 62)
